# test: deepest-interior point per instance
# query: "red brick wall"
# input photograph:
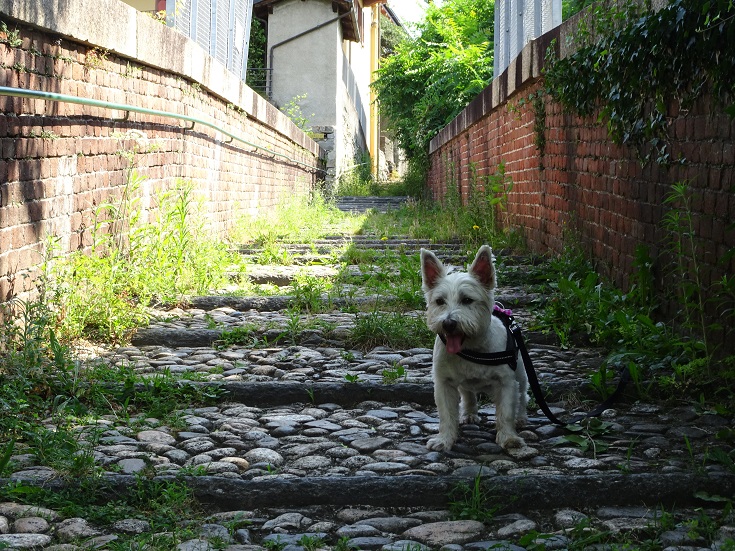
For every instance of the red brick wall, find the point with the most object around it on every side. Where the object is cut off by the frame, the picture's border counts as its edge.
(586, 188)
(59, 162)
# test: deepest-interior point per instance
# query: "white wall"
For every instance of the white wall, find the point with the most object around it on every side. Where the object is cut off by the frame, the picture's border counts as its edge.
(305, 65)
(517, 22)
(334, 75)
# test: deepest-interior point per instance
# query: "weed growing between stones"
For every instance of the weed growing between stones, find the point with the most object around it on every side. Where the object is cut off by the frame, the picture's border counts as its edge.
(389, 275)
(662, 525)
(45, 394)
(342, 544)
(311, 543)
(163, 504)
(590, 435)
(681, 360)
(240, 335)
(310, 294)
(394, 374)
(274, 544)
(393, 329)
(472, 501)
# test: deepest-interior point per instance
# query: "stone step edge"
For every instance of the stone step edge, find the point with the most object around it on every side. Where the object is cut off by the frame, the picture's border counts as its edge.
(272, 394)
(197, 338)
(277, 303)
(273, 303)
(518, 492)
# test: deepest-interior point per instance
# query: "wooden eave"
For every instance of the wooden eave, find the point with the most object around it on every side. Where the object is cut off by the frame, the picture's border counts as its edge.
(350, 21)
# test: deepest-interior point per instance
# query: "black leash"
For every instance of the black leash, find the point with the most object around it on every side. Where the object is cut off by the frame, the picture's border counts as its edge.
(516, 343)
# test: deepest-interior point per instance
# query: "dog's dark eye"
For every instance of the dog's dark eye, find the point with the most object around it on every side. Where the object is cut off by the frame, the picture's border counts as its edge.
(467, 301)
(440, 302)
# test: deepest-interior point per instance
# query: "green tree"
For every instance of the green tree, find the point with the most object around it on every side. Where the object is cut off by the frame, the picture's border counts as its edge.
(390, 35)
(257, 44)
(430, 78)
(257, 75)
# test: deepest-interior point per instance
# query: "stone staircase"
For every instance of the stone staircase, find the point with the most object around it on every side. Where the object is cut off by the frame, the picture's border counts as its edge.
(317, 439)
(363, 204)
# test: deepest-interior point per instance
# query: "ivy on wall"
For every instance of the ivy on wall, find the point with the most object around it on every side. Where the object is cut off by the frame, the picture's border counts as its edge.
(644, 61)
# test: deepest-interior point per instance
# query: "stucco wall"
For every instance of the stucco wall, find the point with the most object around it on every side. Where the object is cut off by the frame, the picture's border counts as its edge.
(61, 161)
(350, 139)
(332, 73)
(307, 64)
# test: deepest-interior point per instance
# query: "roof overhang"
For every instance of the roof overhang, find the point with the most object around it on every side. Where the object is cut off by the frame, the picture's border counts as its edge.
(349, 11)
(350, 18)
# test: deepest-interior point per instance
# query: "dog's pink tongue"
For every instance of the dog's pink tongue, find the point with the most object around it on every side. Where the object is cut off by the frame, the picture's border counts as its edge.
(454, 343)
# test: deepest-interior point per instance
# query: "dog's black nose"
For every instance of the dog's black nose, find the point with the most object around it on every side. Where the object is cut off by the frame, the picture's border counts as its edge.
(449, 325)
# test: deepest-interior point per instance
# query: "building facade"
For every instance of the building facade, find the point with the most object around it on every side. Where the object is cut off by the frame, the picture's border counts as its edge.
(320, 58)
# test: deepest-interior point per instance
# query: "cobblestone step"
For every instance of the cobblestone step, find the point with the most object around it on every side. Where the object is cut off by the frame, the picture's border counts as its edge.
(313, 439)
(363, 204)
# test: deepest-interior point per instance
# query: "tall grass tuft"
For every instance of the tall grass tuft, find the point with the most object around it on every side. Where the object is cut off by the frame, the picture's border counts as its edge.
(299, 219)
(133, 264)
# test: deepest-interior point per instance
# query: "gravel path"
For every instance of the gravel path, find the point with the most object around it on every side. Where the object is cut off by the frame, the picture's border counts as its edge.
(317, 444)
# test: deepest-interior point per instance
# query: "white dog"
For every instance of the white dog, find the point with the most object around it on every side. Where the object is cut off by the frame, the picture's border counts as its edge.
(460, 312)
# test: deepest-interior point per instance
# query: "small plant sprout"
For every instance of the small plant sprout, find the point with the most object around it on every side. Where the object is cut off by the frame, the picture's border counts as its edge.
(310, 392)
(394, 374)
(589, 435)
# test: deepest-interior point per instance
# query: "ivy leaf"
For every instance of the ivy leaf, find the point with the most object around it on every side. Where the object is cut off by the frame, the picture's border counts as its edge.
(581, 441)
(641, 63)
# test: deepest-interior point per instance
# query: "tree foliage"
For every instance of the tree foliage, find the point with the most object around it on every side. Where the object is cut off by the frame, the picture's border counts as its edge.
(257, 44)
(390, 36)
(431, 77)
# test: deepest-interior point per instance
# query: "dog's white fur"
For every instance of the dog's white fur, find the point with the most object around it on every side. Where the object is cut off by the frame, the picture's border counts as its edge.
(459, 307)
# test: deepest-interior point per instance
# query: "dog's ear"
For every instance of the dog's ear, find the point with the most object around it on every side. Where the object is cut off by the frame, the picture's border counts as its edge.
(483, 267)
(432, 269)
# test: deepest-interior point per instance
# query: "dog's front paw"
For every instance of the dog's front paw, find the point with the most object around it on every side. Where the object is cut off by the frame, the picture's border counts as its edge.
(440, 443)
(508, 440)
(470, 418)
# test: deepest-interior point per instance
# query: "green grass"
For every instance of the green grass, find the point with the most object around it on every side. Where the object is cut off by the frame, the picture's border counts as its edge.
(472, 501)
(46, 394)
(394, 329)
(439, 223)
(393, 275)
(480, 219)
(163, 504)
(301, 219)
(104, 295)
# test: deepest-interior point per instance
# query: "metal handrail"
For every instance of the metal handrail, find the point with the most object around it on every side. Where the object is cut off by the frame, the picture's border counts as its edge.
(52, 96)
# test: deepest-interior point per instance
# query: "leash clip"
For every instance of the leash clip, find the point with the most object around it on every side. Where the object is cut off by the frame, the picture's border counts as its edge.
(514, 327)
